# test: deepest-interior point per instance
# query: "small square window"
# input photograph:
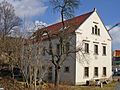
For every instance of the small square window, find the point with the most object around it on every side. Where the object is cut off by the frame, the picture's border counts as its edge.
(67, 69)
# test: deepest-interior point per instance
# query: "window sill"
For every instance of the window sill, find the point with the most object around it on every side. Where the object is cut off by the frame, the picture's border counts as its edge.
(86, 76)
(103, 75)
(66, 72)
(96, 54)
(87, 53)
(95, 77)
(95, 34)
(104, 55)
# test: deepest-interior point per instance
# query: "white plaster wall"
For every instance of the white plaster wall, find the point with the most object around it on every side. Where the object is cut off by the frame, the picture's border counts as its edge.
(65, 77)
(84, 32)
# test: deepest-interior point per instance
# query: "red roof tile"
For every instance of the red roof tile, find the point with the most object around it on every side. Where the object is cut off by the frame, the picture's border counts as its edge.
(73, 24)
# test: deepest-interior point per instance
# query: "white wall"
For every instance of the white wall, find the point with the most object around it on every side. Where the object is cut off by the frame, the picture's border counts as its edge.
(84, 32)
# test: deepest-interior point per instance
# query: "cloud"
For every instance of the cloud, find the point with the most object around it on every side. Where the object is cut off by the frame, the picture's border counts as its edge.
(115, 34)
(28, 8)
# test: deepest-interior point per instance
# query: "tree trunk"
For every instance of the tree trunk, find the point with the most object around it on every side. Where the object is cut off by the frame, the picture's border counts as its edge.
(12, 71)
(57, 77)
(35, 78)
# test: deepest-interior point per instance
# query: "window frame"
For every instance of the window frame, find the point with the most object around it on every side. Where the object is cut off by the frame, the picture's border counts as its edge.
(96, 30)
(93, 30)
(96, 71)
(65, 70)
(104, 50)
(104, 71)
(86, 47)
(96, 49)
(58, 49)
(86, 71)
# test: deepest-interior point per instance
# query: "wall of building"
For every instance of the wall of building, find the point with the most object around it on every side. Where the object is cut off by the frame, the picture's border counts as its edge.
(84, 35)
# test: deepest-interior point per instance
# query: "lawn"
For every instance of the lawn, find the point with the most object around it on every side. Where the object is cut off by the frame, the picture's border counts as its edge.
(105, 87)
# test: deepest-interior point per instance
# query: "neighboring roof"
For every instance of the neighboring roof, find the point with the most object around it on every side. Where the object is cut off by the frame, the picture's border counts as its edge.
(116, 53)
(71, 24)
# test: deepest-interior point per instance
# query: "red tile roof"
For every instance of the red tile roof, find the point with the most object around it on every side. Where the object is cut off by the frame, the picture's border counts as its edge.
(116, 53)
(73, 24)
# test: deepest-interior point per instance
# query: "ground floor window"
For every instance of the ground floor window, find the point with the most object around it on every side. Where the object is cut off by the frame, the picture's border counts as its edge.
(67, 69)
(96, 71)
(104, 71)
(86, 71)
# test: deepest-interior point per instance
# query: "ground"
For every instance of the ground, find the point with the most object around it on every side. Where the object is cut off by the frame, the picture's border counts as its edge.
(10, 84)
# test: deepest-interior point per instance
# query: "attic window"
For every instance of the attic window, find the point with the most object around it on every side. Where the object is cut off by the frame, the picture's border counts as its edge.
(92, 30)
(44, 34)
(96, 30)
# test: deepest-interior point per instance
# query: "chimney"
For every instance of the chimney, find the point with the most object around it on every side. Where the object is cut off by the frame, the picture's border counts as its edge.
(95, 10)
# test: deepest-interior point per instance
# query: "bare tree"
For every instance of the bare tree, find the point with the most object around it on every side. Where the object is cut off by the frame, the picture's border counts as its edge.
(66, 9)
(8, 20)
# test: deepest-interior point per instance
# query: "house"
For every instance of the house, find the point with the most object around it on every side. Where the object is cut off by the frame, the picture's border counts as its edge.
(90, 32)
(116, 62)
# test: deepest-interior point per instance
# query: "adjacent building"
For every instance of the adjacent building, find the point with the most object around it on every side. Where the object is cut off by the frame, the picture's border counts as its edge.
(116, 61)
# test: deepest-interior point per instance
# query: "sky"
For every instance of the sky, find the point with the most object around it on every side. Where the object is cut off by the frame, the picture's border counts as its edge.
(41, 10)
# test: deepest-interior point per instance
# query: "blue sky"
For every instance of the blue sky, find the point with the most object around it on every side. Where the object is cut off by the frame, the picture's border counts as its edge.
(41, 10)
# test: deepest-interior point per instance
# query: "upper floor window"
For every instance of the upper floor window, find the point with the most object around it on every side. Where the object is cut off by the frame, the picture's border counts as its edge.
(96, 30)
(67, 46)
(95, 49)
(43, 52)
(58, 49)
(92, 30)
(86, 48)
(104, 50)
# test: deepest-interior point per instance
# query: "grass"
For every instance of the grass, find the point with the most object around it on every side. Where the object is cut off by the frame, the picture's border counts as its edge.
(105, 87)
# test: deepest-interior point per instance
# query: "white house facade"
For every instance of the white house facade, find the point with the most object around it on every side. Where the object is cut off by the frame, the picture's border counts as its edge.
(96, 62)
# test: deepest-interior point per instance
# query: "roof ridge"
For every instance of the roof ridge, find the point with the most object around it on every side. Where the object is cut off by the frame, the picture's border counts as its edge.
(71, 18)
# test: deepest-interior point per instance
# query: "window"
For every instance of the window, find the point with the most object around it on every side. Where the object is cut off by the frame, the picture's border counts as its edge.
(86, 71)
(95, 29)
(96, 71)
(67, 46)
(92, 30)
(58, 49)
(98, 31)
(104, 50)
(43, 52)
(67, 69)
(86, 48)
(104, 71)
(50, 69)
(96, 49)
